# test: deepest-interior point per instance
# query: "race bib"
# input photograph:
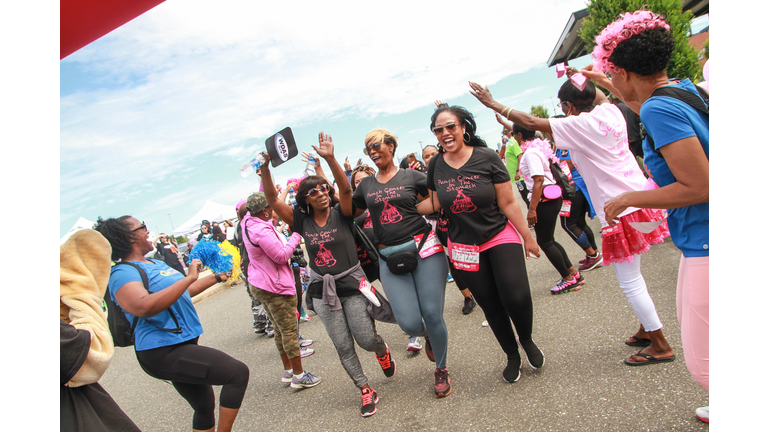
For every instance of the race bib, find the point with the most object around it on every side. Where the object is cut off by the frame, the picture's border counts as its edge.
(565, 210)
(431, 245)
(465, 257)
(369, 292)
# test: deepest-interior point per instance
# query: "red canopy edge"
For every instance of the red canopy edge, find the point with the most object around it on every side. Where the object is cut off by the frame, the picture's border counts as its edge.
(84, 21)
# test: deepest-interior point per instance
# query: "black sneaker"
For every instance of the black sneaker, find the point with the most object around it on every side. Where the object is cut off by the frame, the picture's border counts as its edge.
(469, 305)
(533, 354)
(370, 399)
(428, 349)
(387, 363)
(511, 373)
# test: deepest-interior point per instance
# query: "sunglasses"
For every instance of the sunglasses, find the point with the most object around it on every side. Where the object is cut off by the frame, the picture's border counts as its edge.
(142, 226)
(439, 129)
(314, 192)
(376, 147)
(362, 167)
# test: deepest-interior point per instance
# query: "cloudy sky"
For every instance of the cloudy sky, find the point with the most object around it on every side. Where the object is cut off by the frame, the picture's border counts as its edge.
(158, 116)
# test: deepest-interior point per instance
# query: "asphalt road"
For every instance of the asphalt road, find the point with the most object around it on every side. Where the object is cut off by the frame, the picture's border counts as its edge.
(584, 385)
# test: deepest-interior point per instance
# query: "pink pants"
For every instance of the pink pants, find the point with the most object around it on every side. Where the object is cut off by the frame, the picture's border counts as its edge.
(693, 315)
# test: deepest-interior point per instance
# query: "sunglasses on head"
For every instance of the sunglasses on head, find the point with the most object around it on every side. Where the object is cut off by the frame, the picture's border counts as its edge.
(362, 167)
(142, 226)
(439, 129)
(376, 146)
(314, 192)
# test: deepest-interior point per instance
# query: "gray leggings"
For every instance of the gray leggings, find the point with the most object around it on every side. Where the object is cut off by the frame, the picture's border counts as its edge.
(351, 324)
(418, 298)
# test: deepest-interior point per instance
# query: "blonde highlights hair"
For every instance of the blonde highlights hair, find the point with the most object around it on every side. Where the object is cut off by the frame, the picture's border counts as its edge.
(381, 136)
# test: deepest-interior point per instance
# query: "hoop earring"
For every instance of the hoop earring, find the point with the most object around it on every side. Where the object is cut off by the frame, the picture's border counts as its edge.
(467, 137)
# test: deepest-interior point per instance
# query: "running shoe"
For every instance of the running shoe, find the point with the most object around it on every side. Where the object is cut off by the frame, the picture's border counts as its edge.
(308, 380)
(287, 376)
(580, 278)
(306, 352)
(370, 399)
(469, 305)
(270, 331)
(428, 350)
(450, 278)
(511, 373)
(414, 343)
(305, 342)
(565, 286)
(533, 354)
(387, 363)
(591, 263)
(303, 316)
(442, 383)
(703, 414)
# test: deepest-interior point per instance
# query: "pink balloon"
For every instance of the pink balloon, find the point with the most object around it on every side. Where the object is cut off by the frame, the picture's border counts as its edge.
(704, 85)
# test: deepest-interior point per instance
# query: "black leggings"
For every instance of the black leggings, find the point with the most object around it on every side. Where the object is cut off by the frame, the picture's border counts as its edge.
(500, 287)
(297, 281)
(547, 213)
(576, 224)
(193, 370)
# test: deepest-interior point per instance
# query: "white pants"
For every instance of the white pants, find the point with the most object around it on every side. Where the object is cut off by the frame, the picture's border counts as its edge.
(634, 287)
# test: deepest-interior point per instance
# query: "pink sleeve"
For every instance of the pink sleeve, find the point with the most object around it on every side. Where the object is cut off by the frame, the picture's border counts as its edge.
(274, 248)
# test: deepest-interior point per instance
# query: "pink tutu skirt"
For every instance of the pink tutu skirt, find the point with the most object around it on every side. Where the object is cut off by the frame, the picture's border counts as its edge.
(622, 242)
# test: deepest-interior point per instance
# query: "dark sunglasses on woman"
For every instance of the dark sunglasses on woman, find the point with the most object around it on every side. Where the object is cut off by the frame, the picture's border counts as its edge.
(439, 129)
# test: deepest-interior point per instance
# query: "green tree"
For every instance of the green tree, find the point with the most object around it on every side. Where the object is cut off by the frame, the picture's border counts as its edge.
(540, 111)
(684, 61)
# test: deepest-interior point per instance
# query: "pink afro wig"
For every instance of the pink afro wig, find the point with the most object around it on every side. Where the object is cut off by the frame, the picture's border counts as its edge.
(628, 25)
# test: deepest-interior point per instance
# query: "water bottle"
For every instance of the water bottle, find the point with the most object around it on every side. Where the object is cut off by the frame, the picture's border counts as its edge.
(310, 169)
(252, 166)
(292, 198)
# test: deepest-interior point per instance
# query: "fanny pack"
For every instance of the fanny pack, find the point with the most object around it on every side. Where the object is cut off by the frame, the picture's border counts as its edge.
(406, 261)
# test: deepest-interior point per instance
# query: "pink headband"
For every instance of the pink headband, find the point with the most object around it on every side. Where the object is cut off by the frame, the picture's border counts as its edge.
(628, 25)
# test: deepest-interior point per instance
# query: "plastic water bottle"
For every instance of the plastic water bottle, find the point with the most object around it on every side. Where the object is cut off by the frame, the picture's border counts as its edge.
(310, 169)
(292, 198)
(252, 166)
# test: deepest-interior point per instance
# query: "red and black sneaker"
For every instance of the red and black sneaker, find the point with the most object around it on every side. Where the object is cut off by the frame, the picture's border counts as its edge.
(428, 349)
(442, 383)
(387, 363)
(370, 399)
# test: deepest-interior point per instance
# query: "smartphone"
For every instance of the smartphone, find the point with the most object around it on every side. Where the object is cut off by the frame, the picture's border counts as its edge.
(411, 158)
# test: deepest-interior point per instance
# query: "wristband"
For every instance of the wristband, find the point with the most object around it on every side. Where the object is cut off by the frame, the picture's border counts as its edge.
(218, 278)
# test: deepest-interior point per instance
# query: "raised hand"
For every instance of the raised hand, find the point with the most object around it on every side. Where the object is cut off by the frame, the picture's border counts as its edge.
(325, 148)
(482, 94)
(347, 166)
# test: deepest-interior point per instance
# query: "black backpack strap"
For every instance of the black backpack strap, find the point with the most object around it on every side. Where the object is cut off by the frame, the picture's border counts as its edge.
(700, 103)
(145, 281)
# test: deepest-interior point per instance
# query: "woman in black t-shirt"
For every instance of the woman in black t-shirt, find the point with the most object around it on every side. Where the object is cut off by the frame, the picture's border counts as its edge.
(472, 186)
(417, 298)
(335, 272)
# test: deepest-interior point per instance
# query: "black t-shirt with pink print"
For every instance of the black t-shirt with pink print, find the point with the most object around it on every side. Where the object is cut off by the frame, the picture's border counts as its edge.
(331, 249)
(468, 195)
(393, 205)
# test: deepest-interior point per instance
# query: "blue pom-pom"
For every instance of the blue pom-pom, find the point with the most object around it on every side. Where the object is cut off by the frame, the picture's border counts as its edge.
(212, 256)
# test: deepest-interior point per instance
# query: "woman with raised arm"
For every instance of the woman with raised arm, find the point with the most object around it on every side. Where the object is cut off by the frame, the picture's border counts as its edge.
(596, 129)
(486, 232)
(334, 269)
(167, 326)
(636, 49)
(417, 297)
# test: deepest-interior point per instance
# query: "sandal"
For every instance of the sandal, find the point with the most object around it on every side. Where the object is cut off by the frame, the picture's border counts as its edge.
(649, 359)
(637, 342)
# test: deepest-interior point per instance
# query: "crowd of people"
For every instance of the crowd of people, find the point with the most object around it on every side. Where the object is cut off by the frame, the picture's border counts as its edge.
(454, 216)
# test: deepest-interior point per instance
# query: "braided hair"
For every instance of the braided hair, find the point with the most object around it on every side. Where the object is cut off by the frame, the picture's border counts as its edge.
(118, 233)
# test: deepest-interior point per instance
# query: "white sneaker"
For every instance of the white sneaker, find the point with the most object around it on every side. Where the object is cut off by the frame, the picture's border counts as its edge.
(305, 342)
(307, 381)
(414, 343)
(703, 414)
(306, 352)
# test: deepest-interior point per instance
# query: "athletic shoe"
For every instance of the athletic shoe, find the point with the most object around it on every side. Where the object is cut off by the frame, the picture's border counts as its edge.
(287, 376)
(387, 364)
(450, 278)
(414, 343)
(469, 304)
(304, 317)
(511, 373)
(442, 383)
(370, 399)
(308, 380)
(306, 352)
(580, 278)
(428, 350)
(305, 342)
(591, 263)
(565, 286)
(259, 329)
(533, 354)
(270, 332)
(703, 414)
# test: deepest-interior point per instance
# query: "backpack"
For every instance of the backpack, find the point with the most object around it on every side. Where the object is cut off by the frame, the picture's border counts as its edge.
(119, 326)
(565, 181)
(684, 96)
(367, 254)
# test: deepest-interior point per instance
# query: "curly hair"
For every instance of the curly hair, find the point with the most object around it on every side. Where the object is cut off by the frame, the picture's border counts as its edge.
(645, 54)
(118, 233)
(310, 183)
(466, 118)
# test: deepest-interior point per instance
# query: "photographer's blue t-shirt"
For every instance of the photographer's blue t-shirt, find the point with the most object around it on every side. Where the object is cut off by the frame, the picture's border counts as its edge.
(160, 276)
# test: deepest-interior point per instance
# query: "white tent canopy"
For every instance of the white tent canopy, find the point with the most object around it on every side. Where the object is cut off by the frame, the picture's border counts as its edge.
(212, 212)
(81, 223)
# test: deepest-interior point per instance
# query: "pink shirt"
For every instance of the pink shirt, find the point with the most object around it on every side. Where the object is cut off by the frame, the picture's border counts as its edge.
(601, 155)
